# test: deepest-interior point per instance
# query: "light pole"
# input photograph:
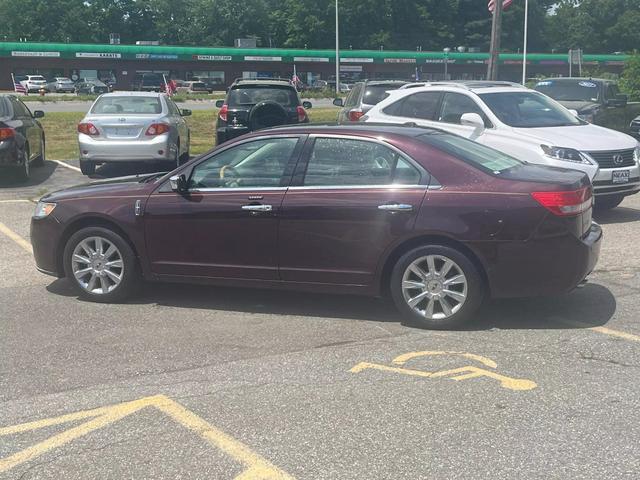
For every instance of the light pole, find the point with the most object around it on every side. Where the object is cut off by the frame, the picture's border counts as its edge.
(337, 54)
(446, 62)
(524, 47)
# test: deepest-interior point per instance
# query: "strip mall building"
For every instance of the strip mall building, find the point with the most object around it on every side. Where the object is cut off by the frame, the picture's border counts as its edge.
(123, 64)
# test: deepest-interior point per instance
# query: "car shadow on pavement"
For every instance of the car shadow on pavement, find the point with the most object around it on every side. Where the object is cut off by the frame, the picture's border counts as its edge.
(592, 305)
(617, 215)
(39, 175)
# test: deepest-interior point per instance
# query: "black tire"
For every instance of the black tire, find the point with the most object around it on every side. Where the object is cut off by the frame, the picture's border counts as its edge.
(39, 160)
(607, 202)
(24, 171)
(87, 167)
(475, 287)
(131, 273)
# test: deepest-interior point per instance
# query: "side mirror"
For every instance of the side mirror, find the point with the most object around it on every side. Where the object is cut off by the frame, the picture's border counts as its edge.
(573, 112)
(38, 114)
(179, 183)
(185, 112)
(472, 120)
(338, 102)
(307, 105)
(619, 101)
(219, 103)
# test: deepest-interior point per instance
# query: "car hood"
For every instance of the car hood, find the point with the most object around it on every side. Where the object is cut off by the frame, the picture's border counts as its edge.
(581, 137)
(121, 186)
(578, 105)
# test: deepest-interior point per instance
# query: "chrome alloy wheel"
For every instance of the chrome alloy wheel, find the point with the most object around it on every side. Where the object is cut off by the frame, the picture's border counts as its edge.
(434, 286)
(97, 265)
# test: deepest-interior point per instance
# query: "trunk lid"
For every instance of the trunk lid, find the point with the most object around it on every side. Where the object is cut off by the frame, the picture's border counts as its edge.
(127, 128)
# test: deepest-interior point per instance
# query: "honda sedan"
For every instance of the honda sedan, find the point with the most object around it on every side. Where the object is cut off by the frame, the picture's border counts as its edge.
(435, 220)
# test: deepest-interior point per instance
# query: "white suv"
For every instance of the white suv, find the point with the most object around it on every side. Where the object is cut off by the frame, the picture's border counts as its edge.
(523, 123)
(33, 83)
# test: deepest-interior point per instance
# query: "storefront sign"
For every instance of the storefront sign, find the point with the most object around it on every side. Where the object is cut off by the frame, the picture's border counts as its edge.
(350, 68)
(310, 59)
(34, 54)
(356, 60)
(399, 60)
(156, 56)
(262, 59)
(98, 55)
(213, 58)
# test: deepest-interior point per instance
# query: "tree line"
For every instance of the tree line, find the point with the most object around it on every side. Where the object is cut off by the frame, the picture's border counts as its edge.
(597, 26)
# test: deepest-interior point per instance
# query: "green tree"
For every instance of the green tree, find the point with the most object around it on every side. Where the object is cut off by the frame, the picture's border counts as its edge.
(630, 80)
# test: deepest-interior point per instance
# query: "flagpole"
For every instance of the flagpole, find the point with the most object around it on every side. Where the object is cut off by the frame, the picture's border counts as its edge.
(337, 54)
(524, 48)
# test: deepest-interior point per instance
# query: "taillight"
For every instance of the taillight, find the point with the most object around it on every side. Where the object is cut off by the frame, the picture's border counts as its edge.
(222, 114)
(302, 114)
(565, 203)
(7, 133)
(88, 129)
(157, 129)
(354, 115)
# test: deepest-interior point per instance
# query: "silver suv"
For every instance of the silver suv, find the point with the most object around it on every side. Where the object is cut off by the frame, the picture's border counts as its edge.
(363, 96)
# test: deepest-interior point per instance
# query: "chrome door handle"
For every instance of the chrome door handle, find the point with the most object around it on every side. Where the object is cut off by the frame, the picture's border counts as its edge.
(257, 208)
(395, 207)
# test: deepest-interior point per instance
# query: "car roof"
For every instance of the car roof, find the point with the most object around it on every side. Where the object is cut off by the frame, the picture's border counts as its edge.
(476, 86)
(575, 79)
(385, 82)
(369, 129)
(133, 94)
(262, 81)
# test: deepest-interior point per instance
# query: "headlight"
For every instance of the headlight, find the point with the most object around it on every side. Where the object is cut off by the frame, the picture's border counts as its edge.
(566, 154)
(43, 209)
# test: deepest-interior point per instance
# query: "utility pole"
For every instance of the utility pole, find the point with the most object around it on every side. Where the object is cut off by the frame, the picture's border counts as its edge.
(496, 32)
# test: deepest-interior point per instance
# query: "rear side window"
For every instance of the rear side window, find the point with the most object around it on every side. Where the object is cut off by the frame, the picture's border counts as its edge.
(349, 162)
(19, 108)
(129, 104)
(243, 96)
(422, 105)
(374, 94)
(4, 108)
(484, 158)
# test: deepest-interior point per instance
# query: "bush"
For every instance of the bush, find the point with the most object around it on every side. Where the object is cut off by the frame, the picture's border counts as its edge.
(630, 80)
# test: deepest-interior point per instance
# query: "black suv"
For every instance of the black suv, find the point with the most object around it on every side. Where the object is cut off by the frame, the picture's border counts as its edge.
(255, 104)
(363, 96)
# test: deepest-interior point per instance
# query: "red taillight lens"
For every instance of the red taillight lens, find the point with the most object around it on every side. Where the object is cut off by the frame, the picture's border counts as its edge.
(302, 114)
(157, 129)
(566, 203)
(223, 112)
(88, 129)
(354, 115)
(7, 133)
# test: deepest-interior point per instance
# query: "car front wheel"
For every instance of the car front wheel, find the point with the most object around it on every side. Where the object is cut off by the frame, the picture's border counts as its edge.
(101, 265)
(436, 287)
(87, 167)
(607, 202)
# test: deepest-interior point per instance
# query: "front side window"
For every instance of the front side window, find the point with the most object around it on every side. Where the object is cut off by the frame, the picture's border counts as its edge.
(19, 108)
(526, 109)
(257, 164)
(173, 109)
(350, 162)
(419, 105)
(454, 105)
(142, 105)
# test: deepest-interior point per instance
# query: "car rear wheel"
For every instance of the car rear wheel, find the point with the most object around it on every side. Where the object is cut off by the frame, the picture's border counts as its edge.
(101, 265)
(607, 202)
(87, 167)
(436, 287)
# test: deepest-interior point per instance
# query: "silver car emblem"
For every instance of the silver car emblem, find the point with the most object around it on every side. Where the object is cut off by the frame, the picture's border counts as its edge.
(618, 159)
(122, 119)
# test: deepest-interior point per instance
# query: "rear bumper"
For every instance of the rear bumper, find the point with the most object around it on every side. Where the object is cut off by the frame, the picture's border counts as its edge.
(544, 266)
(125, 151)
(224, 134)
(9, 155)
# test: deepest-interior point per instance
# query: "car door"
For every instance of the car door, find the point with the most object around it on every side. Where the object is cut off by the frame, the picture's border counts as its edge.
(352, 199)
(225, 225)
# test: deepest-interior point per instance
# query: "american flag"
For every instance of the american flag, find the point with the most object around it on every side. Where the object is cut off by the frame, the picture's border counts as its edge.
(505, 4)
(17, 86)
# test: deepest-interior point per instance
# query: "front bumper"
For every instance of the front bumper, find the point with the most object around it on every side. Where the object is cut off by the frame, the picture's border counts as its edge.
(103, 151)
(45, 238)
(603, 182)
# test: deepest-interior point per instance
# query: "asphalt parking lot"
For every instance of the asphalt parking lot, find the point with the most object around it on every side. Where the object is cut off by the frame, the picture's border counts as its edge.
(199, 382)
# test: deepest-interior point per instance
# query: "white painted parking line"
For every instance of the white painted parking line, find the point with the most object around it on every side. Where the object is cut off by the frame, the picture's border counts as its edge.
(65, 164)
(15, 237)
(16, 201)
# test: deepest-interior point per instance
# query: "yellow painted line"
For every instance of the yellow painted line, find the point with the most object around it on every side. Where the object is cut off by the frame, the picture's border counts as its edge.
(402, 359)
(15, 237)
(256, 467)
(604, 330)
(65, 164)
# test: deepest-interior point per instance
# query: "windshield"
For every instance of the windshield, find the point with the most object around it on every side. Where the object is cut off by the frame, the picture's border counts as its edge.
(64, 80)
(564, 90)
(286, 97)
(129, 104)
(526, 109)
(475, 154)
(376, 93)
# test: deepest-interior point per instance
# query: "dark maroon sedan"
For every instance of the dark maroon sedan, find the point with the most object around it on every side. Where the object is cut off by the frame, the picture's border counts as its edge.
(438, 221)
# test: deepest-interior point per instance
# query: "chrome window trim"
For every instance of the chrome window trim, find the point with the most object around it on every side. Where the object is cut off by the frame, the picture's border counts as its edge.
(387, 186)
(240, 189)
